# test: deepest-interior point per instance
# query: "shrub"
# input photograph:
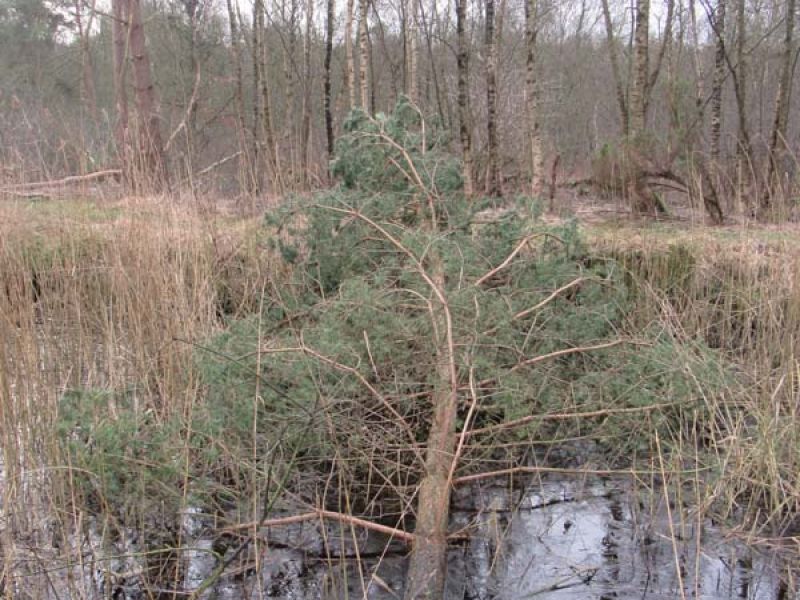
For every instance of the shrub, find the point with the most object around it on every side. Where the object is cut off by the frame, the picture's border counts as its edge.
(353, 340)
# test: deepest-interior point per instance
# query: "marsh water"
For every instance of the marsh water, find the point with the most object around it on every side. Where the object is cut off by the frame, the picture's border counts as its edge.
(555, 539)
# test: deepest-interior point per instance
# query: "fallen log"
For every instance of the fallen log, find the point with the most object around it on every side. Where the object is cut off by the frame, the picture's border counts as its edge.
(71, 179)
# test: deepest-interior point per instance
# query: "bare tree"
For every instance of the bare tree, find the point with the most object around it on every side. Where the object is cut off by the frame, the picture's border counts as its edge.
(263, 105)
(492, 178)
(532, 97)
(744, 147)
(442, 105)
(151, 147)
(305, 127)
(778, 148)
(119, 29)
(465, 121)
(613, 55)
(350, 71)
(718, 25)
(84, 31)
(364, 58)
(641, 68)
(246, 173)
(329, 27)
(412, 52)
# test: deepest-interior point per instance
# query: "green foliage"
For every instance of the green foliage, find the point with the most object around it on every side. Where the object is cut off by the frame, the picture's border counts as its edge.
(395, 155)
(360, 328)
(120, 456)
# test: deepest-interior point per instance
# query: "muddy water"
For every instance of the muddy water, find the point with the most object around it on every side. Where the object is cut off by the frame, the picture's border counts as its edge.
(557, 539)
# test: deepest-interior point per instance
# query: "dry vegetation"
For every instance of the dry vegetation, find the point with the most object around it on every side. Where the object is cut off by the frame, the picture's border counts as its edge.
(104, 296)
(113, 299)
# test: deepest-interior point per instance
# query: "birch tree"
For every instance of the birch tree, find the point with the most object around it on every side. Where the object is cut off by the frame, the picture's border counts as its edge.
(778, 145)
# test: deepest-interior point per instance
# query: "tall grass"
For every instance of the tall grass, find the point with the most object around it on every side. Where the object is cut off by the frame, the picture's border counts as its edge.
(737, 291)
(102, 306)
(110, 298)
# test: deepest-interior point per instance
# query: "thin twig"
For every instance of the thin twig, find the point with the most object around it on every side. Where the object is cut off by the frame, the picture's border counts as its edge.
(325, 514)
(507, 261)
(605, 412)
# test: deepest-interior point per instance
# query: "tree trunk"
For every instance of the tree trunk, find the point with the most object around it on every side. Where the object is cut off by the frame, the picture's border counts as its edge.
(644, 200)
(778, 149)
(492, 179)
(245, 165)
(327, 88)
(305, 128)
(363, 63)
(462, 65)
(396, 69)
(442, 106)
(264, 103)
(412, 59)
(258, 10)
(718, 25)
(622, 102)
(666, 42)
(428, 562)
(151, 146)
(641, 78)
(289, 132)
(532, 93)
(744, 147)
(88, 93)
(350, 71)
(119, 34)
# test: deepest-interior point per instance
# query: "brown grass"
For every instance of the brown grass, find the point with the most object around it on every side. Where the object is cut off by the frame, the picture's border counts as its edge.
(111, 295)
(103, 295)
(736, 289)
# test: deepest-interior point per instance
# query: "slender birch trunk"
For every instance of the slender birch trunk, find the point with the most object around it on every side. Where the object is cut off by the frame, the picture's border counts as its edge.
(778, 148)
(613, 56)
(119, 34)
(363, 63)
(744, 147)
(465, 124)
(641, 69)
(350, 71)
(716, 86)
(532, 97)
(492, 179)
(412, 52)
(246, 174)
(305, 127)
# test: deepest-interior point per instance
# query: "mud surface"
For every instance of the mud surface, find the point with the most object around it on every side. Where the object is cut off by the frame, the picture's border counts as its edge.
(557, 539)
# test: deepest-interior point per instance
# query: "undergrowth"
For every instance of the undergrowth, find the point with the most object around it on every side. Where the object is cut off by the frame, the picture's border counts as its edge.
(150, 365)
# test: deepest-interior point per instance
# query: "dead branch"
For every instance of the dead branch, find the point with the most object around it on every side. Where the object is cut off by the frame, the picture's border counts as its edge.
(565, 352)
(566, 471)
(189, 109)
(524, 313)
(303, 349)
(96, 176)
(605, 412)
(218, 163)
(507, 261)
(321, 515)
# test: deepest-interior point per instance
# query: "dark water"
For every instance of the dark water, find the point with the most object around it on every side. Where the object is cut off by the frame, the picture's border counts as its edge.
(558, 539)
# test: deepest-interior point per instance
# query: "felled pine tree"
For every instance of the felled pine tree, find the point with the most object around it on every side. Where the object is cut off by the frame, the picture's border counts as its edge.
(417, 320)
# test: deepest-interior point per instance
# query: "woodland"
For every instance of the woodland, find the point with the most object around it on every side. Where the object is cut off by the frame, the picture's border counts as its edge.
(248, 100)
(272, 263)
